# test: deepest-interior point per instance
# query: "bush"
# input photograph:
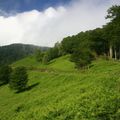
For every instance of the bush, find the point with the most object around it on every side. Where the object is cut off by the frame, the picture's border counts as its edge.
(19, 79)
(5, 72)
(82, 58)
(51, 54)
(39, 55)
(45, 59)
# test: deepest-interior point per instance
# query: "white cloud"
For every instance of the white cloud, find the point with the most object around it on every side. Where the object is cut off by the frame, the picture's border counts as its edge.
(47, 27)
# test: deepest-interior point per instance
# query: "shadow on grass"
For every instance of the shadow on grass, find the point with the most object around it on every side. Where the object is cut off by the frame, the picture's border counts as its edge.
(91, 65)
(2, 84)
(28, 88)
(51, 62)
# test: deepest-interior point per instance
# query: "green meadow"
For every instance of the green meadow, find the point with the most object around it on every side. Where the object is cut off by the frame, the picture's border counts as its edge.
(60, 92)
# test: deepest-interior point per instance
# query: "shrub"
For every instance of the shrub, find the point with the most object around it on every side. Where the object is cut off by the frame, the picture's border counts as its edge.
(19, 79)
(45, 59)
(5, 72)
(82, 58)
(39, 55)
(51, 54)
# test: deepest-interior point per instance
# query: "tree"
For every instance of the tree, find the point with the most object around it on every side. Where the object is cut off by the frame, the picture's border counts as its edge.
(19, 79)
(60, 49)
(82, 57)
(114, 12)
(5, 72)
(51, 54)
(99, 44)
(45, 58)
(69, 43)
(113, 31)
(39, 55)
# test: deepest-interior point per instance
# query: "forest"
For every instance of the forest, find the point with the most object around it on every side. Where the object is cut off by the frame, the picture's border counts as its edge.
(86, 46)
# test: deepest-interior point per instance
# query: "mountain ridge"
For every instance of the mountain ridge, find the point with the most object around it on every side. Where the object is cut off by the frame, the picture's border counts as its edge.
(13, 52)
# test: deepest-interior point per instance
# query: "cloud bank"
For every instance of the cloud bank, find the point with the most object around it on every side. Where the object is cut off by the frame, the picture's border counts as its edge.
(46, 27)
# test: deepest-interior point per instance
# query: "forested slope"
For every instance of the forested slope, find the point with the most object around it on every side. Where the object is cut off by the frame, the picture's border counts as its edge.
(11, 53)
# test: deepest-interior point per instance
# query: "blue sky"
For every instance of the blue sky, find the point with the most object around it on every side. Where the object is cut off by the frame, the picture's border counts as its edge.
(45, 22)
(27, 5)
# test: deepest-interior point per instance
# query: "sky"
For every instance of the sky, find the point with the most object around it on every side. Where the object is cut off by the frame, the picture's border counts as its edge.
(45, 22)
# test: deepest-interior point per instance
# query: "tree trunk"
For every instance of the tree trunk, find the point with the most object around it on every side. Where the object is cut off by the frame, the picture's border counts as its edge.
(115, 54)
(111, 52)
(119, 54)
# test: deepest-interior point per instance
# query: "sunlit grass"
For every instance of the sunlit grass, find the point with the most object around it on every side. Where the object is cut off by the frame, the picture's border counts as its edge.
(64, 94)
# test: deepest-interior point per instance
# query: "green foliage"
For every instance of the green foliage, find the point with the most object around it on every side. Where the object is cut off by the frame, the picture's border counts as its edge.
(66, 95)
(39, 55)
(19, 79)
(99, 43)
(79, 47)
(59, 48)
(68, 44)
(14, 52)
(60, 64)
(45, 59)
(112, 31)
(114, 12)
(51, 54)
(5, 72)
(102, 41)
(82, 58)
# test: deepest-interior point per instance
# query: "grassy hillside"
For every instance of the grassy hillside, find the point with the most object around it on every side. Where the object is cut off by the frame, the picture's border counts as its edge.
(62, 93)
(60, 64)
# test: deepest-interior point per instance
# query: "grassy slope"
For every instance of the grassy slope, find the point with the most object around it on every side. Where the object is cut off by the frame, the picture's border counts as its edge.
(59, 64)
(65, 94)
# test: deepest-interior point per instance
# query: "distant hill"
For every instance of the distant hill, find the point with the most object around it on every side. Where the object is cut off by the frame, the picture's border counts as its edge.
(13, 52)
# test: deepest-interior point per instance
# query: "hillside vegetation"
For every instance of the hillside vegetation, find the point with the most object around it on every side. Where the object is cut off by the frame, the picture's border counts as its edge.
(14, 52)
(62, 64)
(59, 92)
(88, 45)
(77, 79)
